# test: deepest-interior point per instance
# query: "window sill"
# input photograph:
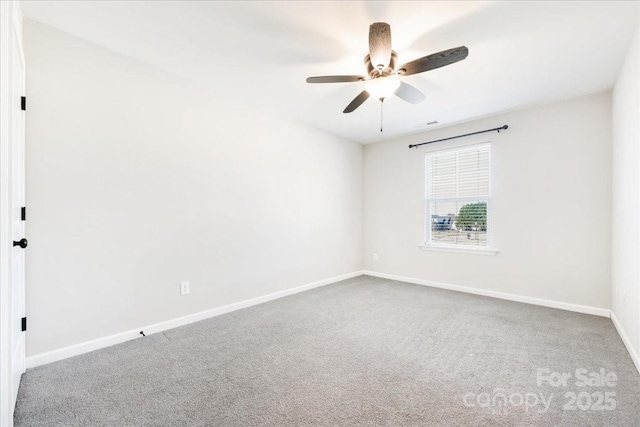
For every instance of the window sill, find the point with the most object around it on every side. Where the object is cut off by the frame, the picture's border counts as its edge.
(466, 250)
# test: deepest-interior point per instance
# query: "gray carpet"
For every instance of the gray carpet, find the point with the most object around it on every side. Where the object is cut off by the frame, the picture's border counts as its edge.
(364, 351)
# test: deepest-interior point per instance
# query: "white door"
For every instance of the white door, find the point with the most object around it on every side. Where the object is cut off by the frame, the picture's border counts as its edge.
(17, 222)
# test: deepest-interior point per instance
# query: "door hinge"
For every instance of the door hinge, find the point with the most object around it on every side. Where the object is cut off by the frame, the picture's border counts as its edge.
(24, 324)
(23, 213)
(23, 103)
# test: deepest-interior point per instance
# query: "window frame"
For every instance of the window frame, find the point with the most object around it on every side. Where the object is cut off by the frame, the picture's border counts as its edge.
(429, 244)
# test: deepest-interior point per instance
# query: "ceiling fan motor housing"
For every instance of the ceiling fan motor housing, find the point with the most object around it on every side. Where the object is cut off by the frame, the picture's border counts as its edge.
(375, 72)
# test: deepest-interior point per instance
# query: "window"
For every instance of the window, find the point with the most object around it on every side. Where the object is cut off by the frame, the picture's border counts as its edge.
(457, 197)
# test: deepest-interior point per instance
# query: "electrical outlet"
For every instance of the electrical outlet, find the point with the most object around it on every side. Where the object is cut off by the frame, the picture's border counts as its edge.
(184, 288)
(375, 257)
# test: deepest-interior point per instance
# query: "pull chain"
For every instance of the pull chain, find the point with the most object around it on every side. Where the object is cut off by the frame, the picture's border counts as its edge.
(381, 117)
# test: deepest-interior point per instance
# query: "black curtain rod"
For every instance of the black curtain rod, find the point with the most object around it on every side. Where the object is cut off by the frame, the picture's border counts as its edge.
(505, 127)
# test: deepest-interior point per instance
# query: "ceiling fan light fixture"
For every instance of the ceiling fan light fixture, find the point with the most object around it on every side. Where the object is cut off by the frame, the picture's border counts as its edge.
(382, 87)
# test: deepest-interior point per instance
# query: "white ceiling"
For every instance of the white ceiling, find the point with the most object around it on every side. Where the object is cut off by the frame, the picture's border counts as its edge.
(520, 53)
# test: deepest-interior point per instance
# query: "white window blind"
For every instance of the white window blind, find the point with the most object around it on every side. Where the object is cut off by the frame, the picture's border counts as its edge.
(457, 197)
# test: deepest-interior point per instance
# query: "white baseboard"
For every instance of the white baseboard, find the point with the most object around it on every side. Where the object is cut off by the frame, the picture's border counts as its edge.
(85, 347)
(625, 339)
(501, 295)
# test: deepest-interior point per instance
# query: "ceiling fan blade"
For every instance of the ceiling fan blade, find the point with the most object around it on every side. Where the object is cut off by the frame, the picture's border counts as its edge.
(357, 101)
(334, 79)
(380, 44)
(409, 93)
(433, 61)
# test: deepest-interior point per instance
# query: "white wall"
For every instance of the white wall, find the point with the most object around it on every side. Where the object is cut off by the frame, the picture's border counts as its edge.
(551, 185)
(137, 180)
(625, 248)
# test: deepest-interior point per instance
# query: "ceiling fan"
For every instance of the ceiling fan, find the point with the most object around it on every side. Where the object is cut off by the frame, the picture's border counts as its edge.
(381, 67)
